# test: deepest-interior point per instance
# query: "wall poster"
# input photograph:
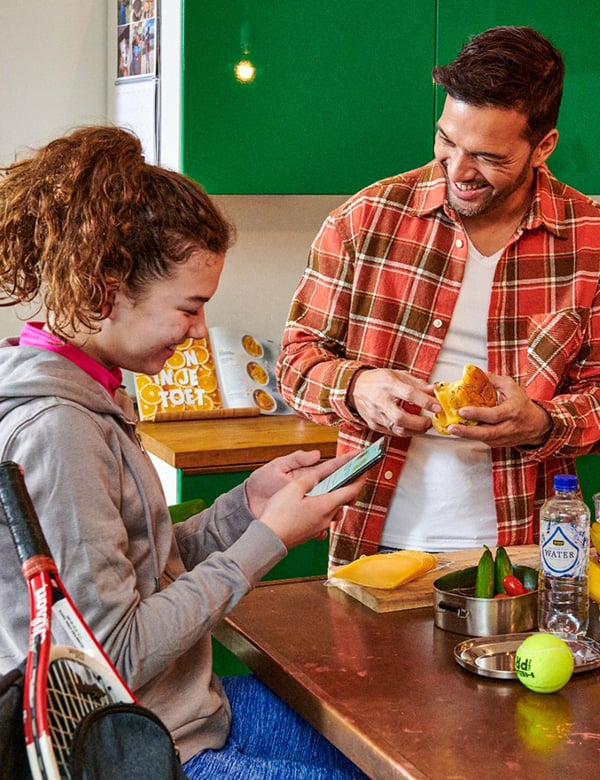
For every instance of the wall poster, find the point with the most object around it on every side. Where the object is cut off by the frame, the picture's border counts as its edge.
(137, 76)
(136, 38)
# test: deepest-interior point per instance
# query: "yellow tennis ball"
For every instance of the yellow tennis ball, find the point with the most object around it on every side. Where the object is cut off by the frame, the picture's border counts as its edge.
(544, 663)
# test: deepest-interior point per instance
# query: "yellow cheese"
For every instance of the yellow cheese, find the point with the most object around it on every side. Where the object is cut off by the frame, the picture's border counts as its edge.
(387, 570)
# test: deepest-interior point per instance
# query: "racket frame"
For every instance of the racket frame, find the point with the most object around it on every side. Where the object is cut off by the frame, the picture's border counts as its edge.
(48, 599)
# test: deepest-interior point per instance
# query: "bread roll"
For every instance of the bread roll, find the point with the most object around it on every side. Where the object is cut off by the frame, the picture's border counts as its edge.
(472, 389)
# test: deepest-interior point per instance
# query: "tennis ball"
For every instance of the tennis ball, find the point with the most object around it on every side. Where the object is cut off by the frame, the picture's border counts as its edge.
(544, 663)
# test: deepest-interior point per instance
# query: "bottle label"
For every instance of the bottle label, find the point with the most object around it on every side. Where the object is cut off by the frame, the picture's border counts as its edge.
(563, 550)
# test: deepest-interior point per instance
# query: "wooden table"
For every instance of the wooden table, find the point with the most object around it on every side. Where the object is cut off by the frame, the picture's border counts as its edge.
(228, 449)
(385, 688)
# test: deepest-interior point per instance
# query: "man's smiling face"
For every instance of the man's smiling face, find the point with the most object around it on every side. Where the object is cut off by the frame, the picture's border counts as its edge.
(487, 160)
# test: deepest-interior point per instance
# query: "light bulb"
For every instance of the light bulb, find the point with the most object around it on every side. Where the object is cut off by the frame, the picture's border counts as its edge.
(244, 71)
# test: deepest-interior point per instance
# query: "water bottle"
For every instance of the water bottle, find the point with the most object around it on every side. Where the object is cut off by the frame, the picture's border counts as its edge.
(563, 595)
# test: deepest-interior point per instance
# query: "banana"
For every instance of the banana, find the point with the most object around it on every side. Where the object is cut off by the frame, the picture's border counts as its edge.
(595, 536)
(594, 580)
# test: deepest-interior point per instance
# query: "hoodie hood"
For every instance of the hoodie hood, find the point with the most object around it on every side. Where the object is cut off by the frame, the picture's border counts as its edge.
(30, 374)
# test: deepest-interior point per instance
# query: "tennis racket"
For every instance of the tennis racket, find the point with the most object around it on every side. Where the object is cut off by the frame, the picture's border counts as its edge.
(62, 683)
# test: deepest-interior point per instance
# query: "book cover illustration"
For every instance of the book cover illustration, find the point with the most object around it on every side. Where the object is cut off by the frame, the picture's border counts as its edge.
(187, 385)
(228, 374)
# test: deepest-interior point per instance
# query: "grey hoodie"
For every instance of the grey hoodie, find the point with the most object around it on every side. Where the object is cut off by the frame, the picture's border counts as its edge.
(150, 591)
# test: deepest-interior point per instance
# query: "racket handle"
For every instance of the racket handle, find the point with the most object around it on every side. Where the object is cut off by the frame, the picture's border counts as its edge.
(22, 519)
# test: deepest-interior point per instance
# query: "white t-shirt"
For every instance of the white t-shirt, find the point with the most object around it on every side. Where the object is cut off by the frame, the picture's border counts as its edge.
(444, 498)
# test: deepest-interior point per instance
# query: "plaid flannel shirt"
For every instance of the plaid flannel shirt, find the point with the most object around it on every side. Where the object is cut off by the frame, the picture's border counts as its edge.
(379, 290)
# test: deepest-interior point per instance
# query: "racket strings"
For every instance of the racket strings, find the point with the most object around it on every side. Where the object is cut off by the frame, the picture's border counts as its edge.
(74, 690)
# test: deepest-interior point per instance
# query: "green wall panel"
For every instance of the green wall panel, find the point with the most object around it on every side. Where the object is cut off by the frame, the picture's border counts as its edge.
(588, 471)
(574, 28)
(343, 94)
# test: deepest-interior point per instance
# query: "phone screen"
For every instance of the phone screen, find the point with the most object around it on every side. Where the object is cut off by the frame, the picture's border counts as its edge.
(351, 470)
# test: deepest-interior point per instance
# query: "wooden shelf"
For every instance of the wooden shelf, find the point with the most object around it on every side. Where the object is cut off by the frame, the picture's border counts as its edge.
(232, 444)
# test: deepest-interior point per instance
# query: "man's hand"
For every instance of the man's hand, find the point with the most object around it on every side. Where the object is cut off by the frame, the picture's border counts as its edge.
(391, 401)
(515, 421)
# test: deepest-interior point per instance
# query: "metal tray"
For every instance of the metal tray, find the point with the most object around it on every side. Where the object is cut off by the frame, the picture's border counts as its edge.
(494, 656)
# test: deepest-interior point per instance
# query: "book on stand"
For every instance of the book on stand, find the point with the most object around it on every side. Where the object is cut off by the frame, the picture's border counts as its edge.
(227, 374)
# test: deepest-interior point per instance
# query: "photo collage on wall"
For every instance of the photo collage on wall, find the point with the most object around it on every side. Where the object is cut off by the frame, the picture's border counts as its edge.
(136, 32)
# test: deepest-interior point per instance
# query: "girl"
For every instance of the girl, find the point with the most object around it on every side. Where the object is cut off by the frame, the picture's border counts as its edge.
(122, 257)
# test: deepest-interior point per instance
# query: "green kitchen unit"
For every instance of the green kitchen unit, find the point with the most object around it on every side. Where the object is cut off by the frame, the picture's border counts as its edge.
(343, 93)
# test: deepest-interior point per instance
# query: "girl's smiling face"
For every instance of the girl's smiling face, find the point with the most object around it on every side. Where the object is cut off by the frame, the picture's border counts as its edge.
(141, 335)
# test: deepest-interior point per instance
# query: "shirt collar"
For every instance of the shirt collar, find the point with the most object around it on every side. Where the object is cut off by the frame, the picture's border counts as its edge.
(430, 190)
(547, 207)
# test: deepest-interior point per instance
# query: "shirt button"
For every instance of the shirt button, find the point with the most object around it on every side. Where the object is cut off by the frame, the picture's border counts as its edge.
(459, 243)
(388, 474)
(437, 323)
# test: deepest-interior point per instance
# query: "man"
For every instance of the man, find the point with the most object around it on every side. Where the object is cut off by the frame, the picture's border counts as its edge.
(479, 257)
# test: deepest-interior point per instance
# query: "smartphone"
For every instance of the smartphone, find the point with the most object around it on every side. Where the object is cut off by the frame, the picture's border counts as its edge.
(352, 469)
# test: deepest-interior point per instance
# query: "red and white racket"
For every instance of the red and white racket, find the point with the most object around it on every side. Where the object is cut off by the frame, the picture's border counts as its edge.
(62, 683)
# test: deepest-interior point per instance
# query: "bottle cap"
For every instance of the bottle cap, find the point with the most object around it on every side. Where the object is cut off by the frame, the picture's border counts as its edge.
(567, 482)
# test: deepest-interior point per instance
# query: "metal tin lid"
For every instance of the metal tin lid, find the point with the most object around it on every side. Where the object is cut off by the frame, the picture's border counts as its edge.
(493, 656)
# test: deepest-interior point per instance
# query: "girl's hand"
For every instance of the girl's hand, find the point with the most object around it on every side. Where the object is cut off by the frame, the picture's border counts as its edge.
(270, 478)
(296, 517)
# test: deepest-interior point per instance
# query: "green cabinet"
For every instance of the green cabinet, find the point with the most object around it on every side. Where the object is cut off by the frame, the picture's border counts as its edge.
(342, 96)
(343, 92)
(307, 560)
(574, 28)
(588, 471)
(207, 486)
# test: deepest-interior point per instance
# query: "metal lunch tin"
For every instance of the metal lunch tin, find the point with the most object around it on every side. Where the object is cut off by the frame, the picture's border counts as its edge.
(456, 608)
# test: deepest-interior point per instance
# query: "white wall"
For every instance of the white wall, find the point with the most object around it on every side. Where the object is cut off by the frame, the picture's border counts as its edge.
(57, 70)
(262, 269)
(52, 78)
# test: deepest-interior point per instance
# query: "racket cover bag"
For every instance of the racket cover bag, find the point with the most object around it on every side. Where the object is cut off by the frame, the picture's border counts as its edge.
(121, 741)
(12, 740)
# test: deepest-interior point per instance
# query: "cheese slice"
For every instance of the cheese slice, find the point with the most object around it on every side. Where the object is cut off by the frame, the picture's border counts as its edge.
(387, 570)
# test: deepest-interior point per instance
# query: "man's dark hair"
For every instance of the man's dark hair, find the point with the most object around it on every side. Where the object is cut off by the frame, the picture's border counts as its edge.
(509, 67)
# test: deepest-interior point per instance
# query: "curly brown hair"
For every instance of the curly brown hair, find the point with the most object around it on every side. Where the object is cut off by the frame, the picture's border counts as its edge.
(86, 214)
(509, 67)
